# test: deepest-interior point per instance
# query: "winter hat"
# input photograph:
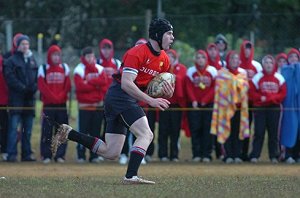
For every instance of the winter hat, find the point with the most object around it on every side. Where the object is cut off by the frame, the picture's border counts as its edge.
(157, 29)
(21, 38)
(221, 38)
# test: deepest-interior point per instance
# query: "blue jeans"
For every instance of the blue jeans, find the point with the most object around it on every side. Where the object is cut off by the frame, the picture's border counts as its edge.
(26, 122)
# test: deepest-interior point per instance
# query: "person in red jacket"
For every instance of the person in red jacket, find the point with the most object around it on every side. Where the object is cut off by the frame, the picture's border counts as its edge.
(3, 111)
(200, 84)
(91, 82)
(252, 67)
(233, 144)
(281, 59)
(170, 121)
(268, 90)
(54, 85)
(213, 55)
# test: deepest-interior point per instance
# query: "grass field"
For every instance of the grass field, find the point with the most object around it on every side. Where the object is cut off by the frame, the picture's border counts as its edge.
(183, 179)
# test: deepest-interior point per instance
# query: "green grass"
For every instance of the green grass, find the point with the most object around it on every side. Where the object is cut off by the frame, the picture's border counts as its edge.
(183, 179)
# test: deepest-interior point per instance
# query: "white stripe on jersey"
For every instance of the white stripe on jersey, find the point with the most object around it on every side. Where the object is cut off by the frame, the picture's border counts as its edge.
(256, 78)
(130, 70)
(210, 69)
(280, 78)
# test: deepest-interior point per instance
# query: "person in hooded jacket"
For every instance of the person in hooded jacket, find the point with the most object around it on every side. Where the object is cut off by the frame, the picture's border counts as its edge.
(213, 55)
(21, 77)
(280, 60)
(252, 67)
(170, 121)
(91, 82)
(268, 90)
(54, 85)
(14, 46)
(200, 85)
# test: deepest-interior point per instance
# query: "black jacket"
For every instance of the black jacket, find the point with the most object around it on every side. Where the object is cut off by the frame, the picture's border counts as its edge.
(21, 79)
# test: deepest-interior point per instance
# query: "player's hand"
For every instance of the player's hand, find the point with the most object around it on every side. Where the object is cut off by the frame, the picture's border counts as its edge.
(168, 89)
(160, 103)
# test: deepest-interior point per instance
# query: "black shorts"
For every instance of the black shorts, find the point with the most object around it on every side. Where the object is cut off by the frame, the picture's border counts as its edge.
(120, 109)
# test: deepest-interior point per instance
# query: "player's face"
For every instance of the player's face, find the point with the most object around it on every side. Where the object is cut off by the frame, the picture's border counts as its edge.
(55, 57)
(212, 52)
(293, 58)
(201, 60)
(90, 58)
(234, 61)
(24, 46)
(106, 51)
(167, 40)
(268, 65)
(281, 62)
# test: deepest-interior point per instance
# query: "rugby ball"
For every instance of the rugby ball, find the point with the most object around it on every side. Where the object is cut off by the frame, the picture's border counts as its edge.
(155, 86)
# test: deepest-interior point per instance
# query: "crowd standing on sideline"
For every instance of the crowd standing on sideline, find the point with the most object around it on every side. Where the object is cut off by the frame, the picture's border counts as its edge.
(228, 93)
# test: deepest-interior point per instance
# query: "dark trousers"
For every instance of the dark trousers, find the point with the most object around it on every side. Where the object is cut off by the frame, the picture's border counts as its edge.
(294, 152)
(266, 118)
(169, 128)
(199, 123)
(90, 122)
(3, 128)
(60, 116)
(233, 143)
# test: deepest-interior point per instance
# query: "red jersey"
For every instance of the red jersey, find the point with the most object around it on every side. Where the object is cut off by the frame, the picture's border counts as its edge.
(200, 84)
(146, 63)
(54, 83)
(273, 87)
(3, 86)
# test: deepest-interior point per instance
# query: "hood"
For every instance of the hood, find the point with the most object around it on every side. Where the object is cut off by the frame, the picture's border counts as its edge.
(230, 53)
(203, 53)
(279, 56)
(246, 62)
(274, 65)
(102, 44)
(215, 63)
(51, 50)
(294, 51)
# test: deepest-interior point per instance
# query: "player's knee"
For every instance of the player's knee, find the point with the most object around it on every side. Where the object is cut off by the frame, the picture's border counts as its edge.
(149, 136)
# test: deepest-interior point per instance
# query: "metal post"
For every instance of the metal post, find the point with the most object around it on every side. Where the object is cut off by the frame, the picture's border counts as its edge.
(9, 34)
(148, 17)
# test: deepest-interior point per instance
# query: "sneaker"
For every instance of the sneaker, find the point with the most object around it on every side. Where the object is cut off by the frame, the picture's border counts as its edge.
(164, 159)
(196, 159)
(123, 159)
(254, 160)
(46, 161)
(290, 160)
(148, 158)
(175, 160)
(238, 160)
(60, 137)
(96, 160)
(274, 160)
(81, 161)
(60, 160)
(206, 160)
(143, 161)
(229, 160)
(136, 180)
(4, 156)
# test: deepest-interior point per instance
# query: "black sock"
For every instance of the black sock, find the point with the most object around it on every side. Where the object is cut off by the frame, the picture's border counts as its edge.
(136, 156)
(89, 142)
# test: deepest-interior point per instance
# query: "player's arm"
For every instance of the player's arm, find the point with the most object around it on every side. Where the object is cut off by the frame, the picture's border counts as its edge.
(128, 85)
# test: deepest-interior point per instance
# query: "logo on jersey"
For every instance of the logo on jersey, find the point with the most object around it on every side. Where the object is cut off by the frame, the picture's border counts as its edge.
(161, 63)
(149, 71)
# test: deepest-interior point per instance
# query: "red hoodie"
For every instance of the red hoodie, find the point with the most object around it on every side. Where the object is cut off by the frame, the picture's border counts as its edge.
(91, 83)
(216, 62)
(55, 84)
(200, 82)
(3, 86)
(250, 65)
(272, 86)
(179, 70)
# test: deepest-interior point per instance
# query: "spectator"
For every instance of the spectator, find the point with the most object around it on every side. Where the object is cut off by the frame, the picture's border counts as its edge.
(290, 119)
(252, 67)
(281, 59)
(21, 78)
(14, 46)
(170, 121)
(200, 83)
(230, 116)
(91, 84)
(213, 56)
(54, 84)
(267, 90)
(222, 45)
(3, 112)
